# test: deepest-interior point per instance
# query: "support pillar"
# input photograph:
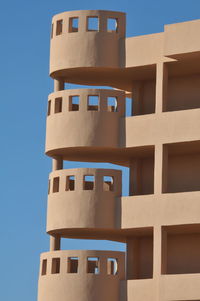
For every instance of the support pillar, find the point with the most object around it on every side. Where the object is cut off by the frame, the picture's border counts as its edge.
(132, 258)
(135, 177)
(161, 87)
(59, 85)
(57, 163)
(55, 243)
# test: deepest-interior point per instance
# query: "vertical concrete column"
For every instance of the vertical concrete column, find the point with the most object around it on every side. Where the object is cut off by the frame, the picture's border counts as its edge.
(135, 177)
(54, 243)
(160, 168)
(132, 258)
(161, 87)
(58, 85)
(137, 97)
(57, 163)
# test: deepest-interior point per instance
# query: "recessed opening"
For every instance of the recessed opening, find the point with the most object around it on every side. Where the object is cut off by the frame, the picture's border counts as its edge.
(112, 25)
(49, 186)
(73, 24)
(58, 105)
(112, 266)
(52, 30)
(181, 249)
(92, 23)
(70, 183)
(88, 182)
(74, 101)
(55, 268)
(112, 104)
(56, 184)
(72, 265)
(49, 108)
(44, 267)
(129, 105)
(108, 183)
(59, 27)
(93, 265)
(93, 103)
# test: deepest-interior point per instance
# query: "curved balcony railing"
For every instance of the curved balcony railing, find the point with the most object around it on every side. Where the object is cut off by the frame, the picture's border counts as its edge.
(84, 118)
(81, 275)
(87, 39)
(83, 198)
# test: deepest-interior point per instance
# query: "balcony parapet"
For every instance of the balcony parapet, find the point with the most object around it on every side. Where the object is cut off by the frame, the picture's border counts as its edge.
(84, 118)
(83, 198)
(90, 38)
(81, 275)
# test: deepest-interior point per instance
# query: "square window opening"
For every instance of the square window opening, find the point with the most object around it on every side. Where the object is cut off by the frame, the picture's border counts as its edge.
(92, 24)
(72, 265)
(49, 186)
(108, 183)
(112, 266)
(93, 265)
(112, 104)
(74, 102)
(44, 267)
(112, 25)
(93, 103)
(55, 268)
(73, 24)
(58, 105)
(52, 31)
(88, 182)
(59, 27)
(56, 184)
(49, 108)
(70, 183)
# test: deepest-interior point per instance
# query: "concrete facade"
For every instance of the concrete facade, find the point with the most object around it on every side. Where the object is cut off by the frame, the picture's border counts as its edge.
(160, 143)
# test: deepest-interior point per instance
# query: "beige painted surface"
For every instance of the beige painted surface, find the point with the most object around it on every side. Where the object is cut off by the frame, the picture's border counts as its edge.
(160, 143)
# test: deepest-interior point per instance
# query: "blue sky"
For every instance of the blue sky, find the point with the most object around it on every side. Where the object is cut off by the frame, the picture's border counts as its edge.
(25, 85)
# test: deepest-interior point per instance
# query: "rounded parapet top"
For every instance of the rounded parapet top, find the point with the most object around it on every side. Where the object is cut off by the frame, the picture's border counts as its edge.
(84, 118)
(83, 198)
(81, 275)
(87, 39)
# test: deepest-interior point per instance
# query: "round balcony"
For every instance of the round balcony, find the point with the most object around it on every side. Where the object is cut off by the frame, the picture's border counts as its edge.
(83, 118)
(86, 39)
(81, 275)
(83, 199)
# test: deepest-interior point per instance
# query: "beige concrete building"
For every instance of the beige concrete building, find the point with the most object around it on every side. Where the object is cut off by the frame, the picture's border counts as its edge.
(160, 143)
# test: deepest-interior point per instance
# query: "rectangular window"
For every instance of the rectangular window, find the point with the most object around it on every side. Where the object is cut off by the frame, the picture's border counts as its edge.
(74, 103)
(44, 267)
(58, 105)
(93, 265)
(72, 265)
(49, 186)
(112, 25)
(49, 108)
(88, 183)
(112, 266)
(108, 183)
(59, 26)
(70, 183)
(56, 184)
(112, 104)
(55, 268)
(92, 24)
(51, 31)
(93, 103)
(73, 24)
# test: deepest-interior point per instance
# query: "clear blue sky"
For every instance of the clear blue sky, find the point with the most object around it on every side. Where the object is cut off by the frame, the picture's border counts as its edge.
(24, 62)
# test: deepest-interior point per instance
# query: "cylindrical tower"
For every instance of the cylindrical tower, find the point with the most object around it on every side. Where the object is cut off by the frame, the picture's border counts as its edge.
(84, 125)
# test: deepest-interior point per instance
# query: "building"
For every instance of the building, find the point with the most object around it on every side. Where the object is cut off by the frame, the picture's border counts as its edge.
(160, 143)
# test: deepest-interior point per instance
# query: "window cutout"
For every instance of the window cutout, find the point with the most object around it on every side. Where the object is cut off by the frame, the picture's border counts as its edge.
(112, 25)
(112, 266)
(72, 265)
(112, 104)
(92, 24)
(93, 265)
(93, 103)
(88, 182)
(44, 267)
(51, 30)
(58, 105)
(49, 108)
(49, 186)
(55, 268)
(59, 25)
(70, 183)
(73, 24)
(74, 103)
(108, 183)
(56, 184)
